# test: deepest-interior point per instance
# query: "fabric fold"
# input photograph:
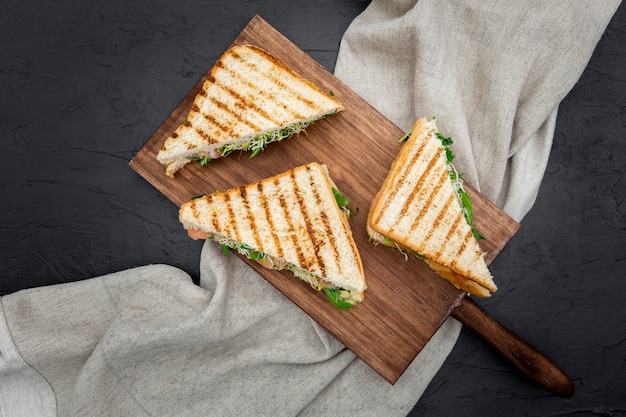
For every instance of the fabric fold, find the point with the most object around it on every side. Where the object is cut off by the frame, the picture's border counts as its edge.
(492, 73)
(23, 391)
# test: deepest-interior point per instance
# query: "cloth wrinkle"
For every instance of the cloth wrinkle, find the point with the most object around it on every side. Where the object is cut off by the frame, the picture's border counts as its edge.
(252, 286)
(24, 392)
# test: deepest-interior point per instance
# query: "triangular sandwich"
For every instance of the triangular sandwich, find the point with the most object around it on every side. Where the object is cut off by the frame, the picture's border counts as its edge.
(423, 209)
(296, 220)
(249, 100)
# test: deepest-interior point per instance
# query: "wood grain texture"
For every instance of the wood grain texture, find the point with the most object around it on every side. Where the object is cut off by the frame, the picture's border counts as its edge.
(405, 302)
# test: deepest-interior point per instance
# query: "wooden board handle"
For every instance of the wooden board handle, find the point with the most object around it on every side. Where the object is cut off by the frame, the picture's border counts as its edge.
(521, 354)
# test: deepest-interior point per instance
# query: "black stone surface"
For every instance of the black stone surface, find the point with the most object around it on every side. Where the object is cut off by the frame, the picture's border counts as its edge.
(83, 85)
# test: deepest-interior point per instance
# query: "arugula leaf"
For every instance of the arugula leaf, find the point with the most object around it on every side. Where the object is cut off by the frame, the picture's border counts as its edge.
(449, 155)
(256, 255)
(334, 297)
(341, 200)
(406, 136)
(467, 206)
(464, 198)
(343, 203)
(477, 234)
(467, 212)
(446, 141)
(202, 160)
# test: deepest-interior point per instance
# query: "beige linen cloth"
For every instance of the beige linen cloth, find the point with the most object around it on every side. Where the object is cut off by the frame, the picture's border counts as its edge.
(148, 342)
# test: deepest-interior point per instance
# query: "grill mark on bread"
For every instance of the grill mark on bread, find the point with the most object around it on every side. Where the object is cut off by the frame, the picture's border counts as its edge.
(194, 208)
(463, 246)
(308, 222)
(268, 215)
(274, 78)
(302, 260)
(234, 226)
(426, 205)
(215, 222)
(243, 193)
(255, 89)
(203, 135)
(242, 104)
(442, 212)
(418, 190)
(328, 231)
(395, 190)
(216, 121)
(453, 228)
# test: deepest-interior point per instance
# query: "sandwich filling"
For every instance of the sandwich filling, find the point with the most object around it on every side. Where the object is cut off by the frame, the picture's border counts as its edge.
(455, 278)
(340, 297)
(255, 144)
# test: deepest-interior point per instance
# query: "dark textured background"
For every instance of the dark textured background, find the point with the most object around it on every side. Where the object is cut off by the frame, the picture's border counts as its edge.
(84, 85)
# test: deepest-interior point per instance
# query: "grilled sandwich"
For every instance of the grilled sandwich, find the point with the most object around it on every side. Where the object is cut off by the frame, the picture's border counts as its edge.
(249, 100)
(423, 209)
(297, 220)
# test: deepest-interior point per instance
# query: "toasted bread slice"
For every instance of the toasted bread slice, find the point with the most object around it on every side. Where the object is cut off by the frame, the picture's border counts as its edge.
(289, 221)
(418, 209)
(249, 100)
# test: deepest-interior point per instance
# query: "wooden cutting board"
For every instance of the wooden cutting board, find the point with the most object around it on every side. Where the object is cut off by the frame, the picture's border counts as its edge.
(405, 302)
